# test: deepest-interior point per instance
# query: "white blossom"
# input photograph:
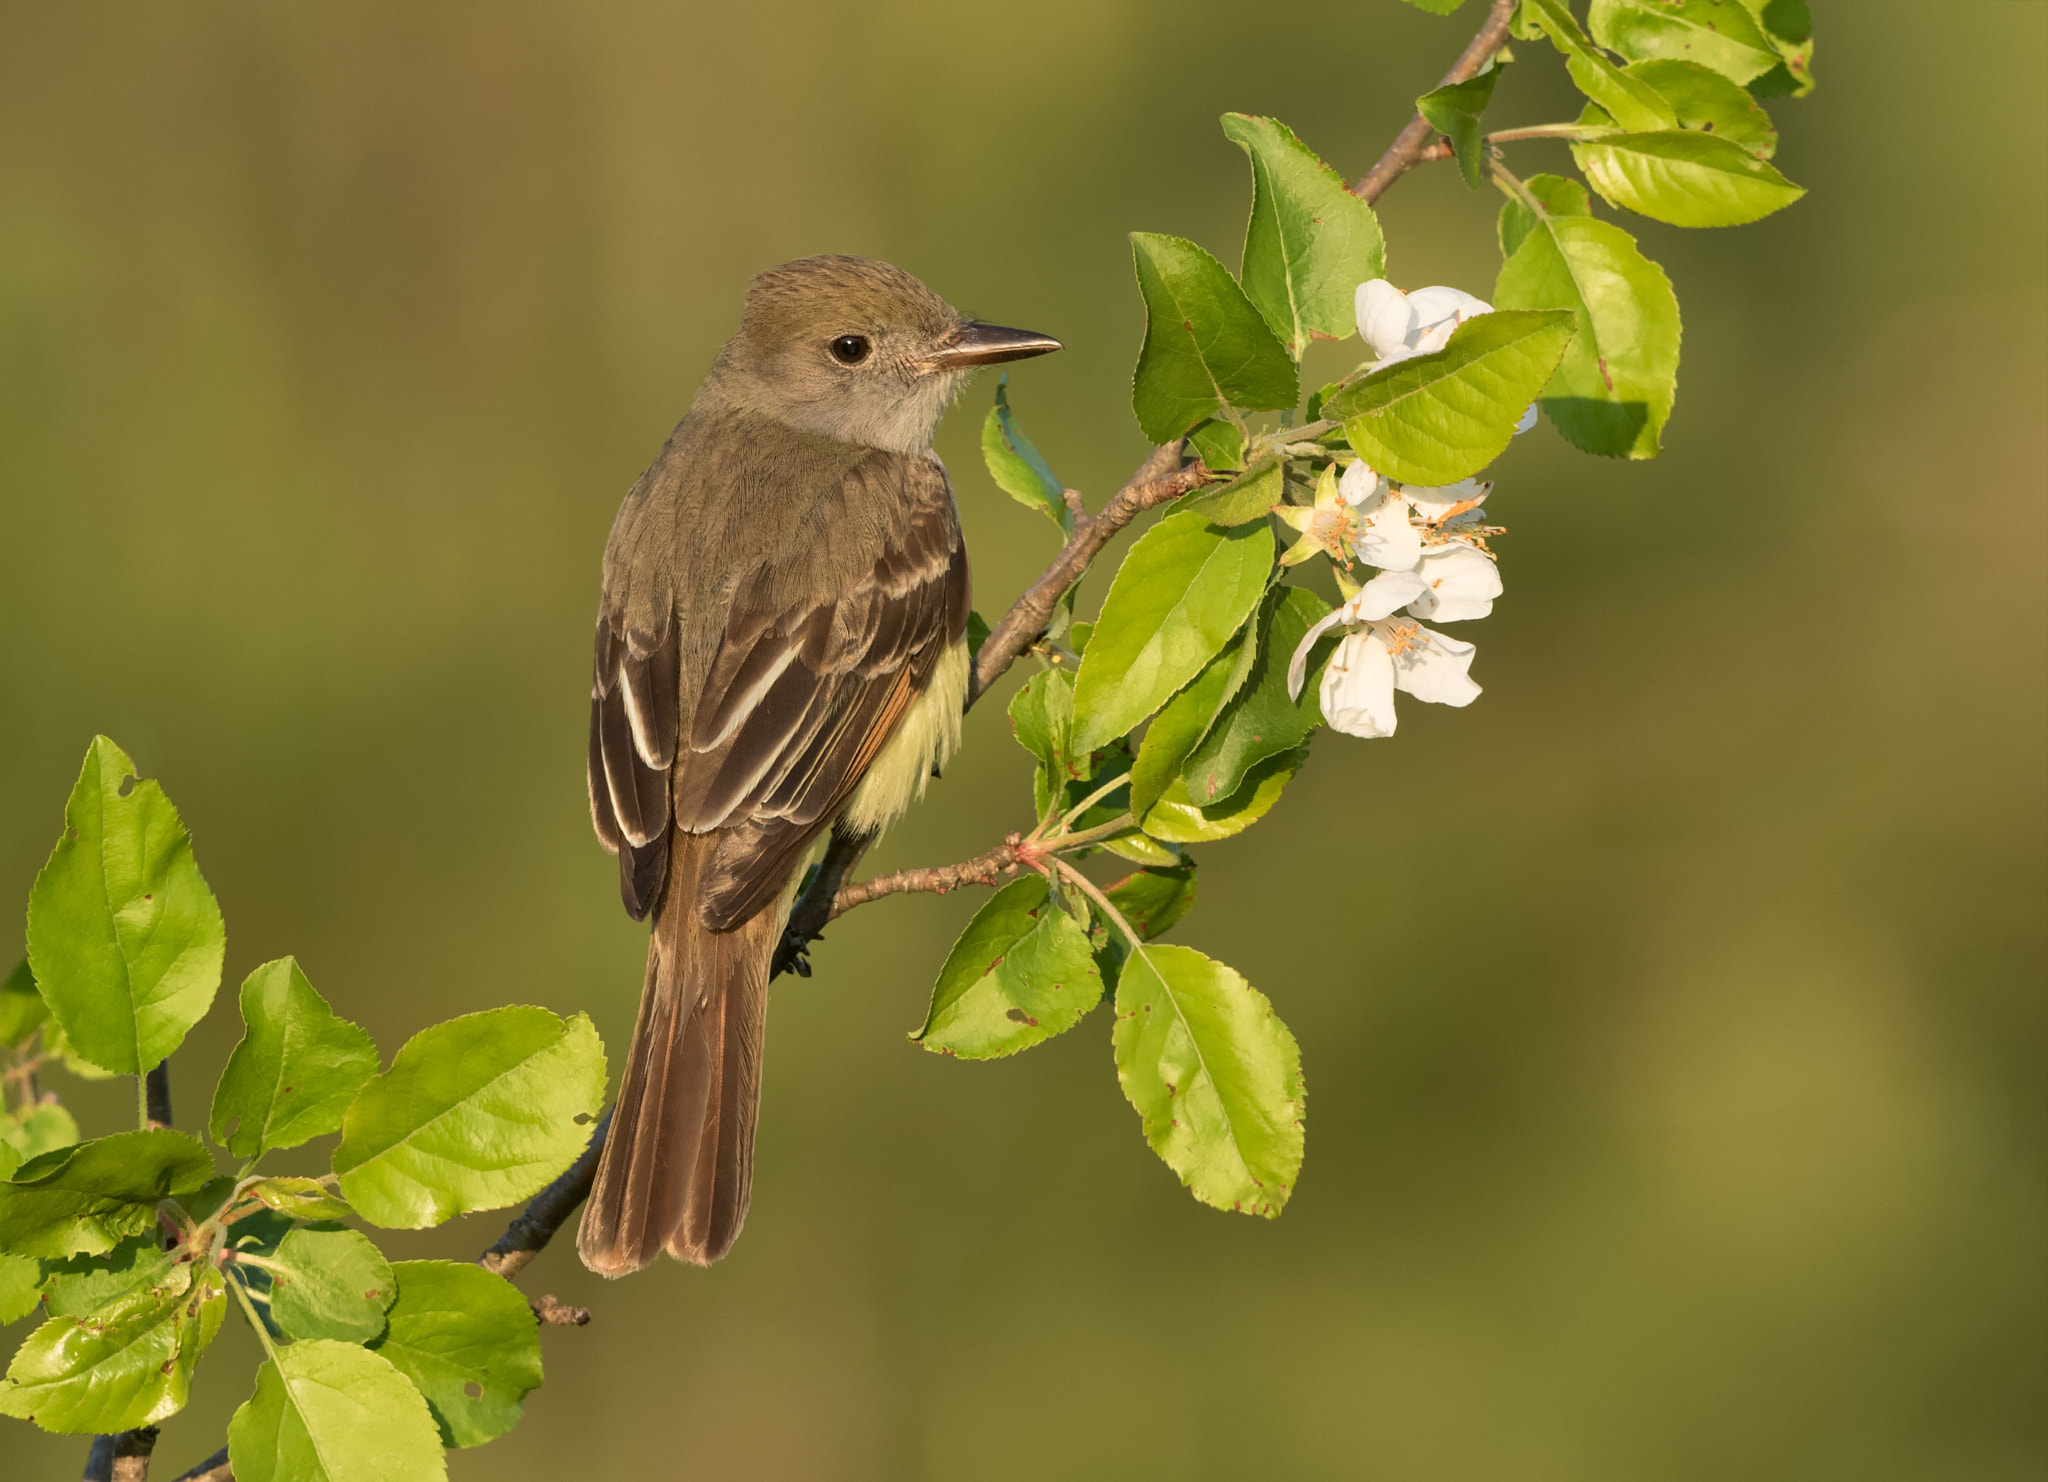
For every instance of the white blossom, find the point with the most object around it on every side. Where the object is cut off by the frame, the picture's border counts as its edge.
(1400, 326)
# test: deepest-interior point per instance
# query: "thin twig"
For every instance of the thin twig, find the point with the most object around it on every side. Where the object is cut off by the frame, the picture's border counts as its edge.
(528, 1235)
(1413, 144)
(983, 869)
(156, 1095)
(214, 1469)
(1160, 479)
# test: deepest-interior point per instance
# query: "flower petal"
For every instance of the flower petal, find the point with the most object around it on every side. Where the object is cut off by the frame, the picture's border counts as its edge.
(1433, 305)
(1387, 538)
(1384, 319)
(1360, 483)
(1297, 667)
(1358, 686)
(1387, 594)
(1460, 584)
(1439, 504)
(1429, 665)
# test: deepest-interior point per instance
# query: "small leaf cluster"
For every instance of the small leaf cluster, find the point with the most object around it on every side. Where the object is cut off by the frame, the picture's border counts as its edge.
(135, 1244)
(1168, 723)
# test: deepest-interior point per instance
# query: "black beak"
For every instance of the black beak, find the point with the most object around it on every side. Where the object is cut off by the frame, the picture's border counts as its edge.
(989, 344)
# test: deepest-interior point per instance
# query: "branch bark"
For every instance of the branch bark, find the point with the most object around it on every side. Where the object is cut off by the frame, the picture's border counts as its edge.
(983, 869)
(1414, 143)
(1160, 478)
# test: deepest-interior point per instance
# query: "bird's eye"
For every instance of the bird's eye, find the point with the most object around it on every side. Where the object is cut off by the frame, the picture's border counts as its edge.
(851, 349)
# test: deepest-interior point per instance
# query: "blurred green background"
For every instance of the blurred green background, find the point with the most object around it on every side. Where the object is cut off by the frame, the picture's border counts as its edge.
(1673, 1017)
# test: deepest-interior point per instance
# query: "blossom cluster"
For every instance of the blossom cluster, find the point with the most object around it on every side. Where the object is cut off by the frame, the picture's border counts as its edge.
(1427, 548)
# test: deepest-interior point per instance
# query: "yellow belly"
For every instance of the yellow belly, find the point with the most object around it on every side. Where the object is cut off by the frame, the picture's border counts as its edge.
(927, 737)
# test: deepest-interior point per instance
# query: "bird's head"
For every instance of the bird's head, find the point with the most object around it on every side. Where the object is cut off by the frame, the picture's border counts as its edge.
(858, 350)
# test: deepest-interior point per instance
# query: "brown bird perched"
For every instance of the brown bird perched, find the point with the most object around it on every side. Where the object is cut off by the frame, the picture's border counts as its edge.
(780, 649)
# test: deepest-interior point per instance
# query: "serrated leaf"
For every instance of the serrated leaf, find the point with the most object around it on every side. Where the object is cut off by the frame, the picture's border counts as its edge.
(300, 1199)
(1020, 973)
(1719, 34)
(1206, 347)
(123, 936)
(977, 634)
(1706, 101)
(1557, 194)
(21, 1280)
(56, 1046)
(1436, 419)
(1151, 900)
(1261, 721)
(295, 1070)
(86, 1197)
(1437, 7)
(457, 1327)
(1633, 104)
(22, 1010)
(326, 1411)
(1310, 242)
(1215, 1076)
(1181, 723)
(1684, 178)
(41, 1129)
(1250, 496)
(476, 1113)
(1220, 445)
(1178, 819)
(328, 1281)
(1790, 28)
(1614, 389)
(79, 1285)
(1016, 465)
(1454, 111)
(127, 1364)
(1183, 589)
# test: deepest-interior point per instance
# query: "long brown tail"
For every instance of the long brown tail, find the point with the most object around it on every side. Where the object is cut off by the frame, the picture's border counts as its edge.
(679, 1162)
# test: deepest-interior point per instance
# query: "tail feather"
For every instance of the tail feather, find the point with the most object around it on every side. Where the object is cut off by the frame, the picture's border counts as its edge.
(678, 1165)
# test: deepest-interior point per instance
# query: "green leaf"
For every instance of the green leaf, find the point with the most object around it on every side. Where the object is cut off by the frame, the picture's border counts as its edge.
(1020, 973)
(1042, 720)
(1261, 721)
(1310, 242)
(1615, 386)
(1436, 419)
(977, 634)
(123, 935)
(1205, 346)
(457, 1327)
(325, 1411)
(300, 1199)
(1250, 496)
(1790, 28)
(1151, 900)
(21, 1279)
(1017, 467)
(1179, 595)
(1220, 445)
(1684, 178)
(1559, 195)
(56, 1046)
(1714, 33)
(22, 1010)
(476, 1113)
(1139, 849)
(1454, 111)
(330, 1282)
(1214, 1074)
(1437, 7)
(79, 1285)
(296, 1069)
(1630, 102)
(1181, 723)
(1177, 819)
(125, 1365)
(92, 1194)
(1705, 100)
(40, 1129)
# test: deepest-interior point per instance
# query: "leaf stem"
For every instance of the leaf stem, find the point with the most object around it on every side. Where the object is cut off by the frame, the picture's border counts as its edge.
(1067, 818)
(249, 1311)
(1512, 184)
(1087, 887)
(1101, 831)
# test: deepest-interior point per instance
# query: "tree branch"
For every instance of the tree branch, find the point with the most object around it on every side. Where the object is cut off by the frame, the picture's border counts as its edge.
(122, 1458)
(1413, 144)
(1159, 479)
(983, 869)
(214, 1469)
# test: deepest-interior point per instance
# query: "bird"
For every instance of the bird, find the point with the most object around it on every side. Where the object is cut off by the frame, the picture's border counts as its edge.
(781, 651)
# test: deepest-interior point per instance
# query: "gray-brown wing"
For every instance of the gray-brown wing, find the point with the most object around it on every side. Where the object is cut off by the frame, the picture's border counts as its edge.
(802, 692)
